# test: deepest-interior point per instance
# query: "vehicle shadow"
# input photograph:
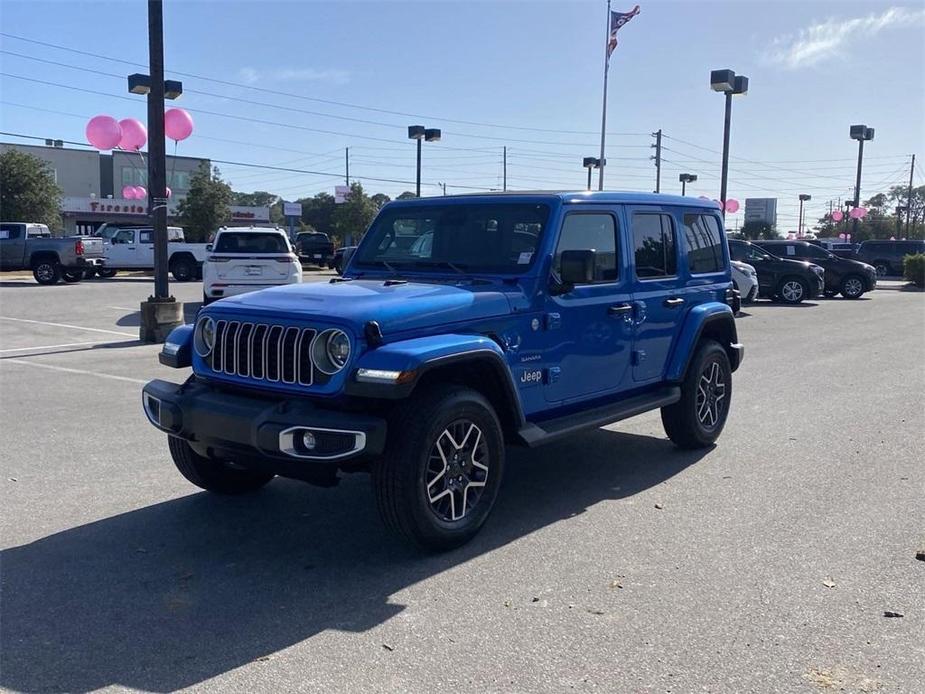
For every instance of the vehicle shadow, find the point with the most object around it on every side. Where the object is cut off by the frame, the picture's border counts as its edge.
(133, 319)
(172, 594)
(781, 304)
(89, 348)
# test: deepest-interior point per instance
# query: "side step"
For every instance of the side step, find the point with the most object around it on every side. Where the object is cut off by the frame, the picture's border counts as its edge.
(534, 434)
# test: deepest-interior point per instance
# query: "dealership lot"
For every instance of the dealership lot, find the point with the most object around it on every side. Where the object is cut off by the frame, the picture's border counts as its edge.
(613, 562)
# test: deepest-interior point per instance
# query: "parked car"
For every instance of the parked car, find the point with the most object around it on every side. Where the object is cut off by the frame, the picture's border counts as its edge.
(28, 246)
(887, 256)
(779, 279)
(341, 258)
(851, 278)
(842, 249)
(314, 247)
(420, 369)
(245, 259)
(132, 248)
(746, 280)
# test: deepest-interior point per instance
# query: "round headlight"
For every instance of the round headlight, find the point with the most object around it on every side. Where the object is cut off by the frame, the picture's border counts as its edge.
(330, 351)
(204, 337)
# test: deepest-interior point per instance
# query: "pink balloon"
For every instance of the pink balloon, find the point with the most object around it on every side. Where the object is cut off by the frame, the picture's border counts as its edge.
(178, 124)
(732, 206)
(837, 215)
(128, 192)
(169, 192)
(140, 193)
(842, 236)
(858, 213)
(103, 132)
(134, 134)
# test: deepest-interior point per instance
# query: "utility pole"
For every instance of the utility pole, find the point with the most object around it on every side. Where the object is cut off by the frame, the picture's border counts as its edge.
(347, 165)
(909, 200)
(658, 160)
(504, 187)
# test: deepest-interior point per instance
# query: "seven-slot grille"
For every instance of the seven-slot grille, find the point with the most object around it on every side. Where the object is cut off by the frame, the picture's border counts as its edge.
(274, 353)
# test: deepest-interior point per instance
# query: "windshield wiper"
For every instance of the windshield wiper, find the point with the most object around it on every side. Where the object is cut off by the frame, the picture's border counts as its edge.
(460, 268)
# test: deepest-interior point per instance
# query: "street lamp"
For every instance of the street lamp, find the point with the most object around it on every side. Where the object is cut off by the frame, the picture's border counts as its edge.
(729, 83)
(803, 198)
(590, 163)
(419, 133)
(686, 178)
(861, 133)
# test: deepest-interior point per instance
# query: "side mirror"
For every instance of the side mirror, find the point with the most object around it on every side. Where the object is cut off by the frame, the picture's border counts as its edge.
(208, 246)
(576, 267)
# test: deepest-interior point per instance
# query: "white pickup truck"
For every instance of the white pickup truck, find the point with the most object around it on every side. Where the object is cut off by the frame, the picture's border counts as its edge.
(132, 248)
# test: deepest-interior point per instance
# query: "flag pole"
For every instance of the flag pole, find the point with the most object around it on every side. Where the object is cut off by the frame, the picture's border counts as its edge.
(600, 174)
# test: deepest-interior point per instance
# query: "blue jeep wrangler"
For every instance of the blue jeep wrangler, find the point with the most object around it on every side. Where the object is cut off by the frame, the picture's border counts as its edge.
(462, 325)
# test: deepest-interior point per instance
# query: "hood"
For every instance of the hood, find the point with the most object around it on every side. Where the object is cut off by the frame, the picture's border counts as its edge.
(396, 307)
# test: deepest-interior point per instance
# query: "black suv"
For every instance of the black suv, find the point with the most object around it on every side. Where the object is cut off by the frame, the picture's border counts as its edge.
(790, 281)
(887, 256)
(851, 278)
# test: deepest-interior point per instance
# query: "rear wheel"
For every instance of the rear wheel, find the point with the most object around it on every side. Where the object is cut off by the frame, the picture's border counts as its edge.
(698, 418)
(440, 475)
(46, 272)
(882, 267)
(852, 287)
(214, 475)
(183, 269)
(793, 290)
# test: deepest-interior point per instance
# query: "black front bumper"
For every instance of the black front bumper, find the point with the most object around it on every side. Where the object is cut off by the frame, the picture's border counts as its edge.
(227, 425)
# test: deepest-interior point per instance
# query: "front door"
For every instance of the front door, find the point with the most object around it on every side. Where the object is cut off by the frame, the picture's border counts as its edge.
(121, 252)
(589, 330)
(657, 290)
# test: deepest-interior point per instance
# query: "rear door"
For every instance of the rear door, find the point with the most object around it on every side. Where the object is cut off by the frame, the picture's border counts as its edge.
(145, 248)
(12, 245)
(658, 289)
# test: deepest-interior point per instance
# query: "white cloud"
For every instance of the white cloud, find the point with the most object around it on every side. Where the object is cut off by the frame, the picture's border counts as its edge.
(824, 40)
(252, 75)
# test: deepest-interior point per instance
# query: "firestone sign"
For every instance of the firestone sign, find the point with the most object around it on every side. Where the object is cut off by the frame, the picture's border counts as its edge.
(71, 205)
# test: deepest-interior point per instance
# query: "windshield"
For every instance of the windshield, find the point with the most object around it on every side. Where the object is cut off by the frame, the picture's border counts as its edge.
(250, 242)
(493, 238)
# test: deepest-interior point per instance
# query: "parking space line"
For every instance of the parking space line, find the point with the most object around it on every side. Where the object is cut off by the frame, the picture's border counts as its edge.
(65, 325)
(67, 344)
(65, 369)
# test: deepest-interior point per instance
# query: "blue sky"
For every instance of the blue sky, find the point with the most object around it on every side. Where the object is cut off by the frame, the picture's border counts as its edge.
(815, 68)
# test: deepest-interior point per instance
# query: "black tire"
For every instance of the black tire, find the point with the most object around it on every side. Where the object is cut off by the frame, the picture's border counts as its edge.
(792, 290)
(183, 269)
(400, 478)
(107, 273)
(46, 272)
(883, 268)
(852, 287)
(339, 267)
(685, 421)
(90, 273)
(213, 475)
(72, 276)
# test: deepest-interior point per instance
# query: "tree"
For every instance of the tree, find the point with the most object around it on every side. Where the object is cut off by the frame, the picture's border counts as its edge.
(407, 195)
(28, 191)
(380, 200)
(317, 212)
(205, 208)
(353, 216)
(759, 230)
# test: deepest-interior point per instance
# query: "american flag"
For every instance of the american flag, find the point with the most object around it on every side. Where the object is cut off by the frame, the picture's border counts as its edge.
(617, 20)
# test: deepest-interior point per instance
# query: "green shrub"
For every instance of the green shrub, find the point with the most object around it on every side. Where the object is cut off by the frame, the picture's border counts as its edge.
(914, 269)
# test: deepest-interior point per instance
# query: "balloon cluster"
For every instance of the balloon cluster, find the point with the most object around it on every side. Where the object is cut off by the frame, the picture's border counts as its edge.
(129, 134)
(134, 192)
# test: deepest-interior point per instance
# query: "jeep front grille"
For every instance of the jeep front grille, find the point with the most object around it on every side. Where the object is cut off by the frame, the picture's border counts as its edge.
(273, 353)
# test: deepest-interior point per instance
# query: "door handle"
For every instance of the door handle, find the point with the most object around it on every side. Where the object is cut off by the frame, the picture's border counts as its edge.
(131, 248)
(673, 302)
(619, 310)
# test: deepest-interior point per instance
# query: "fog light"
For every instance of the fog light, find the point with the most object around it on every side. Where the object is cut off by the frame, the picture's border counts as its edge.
(308, 440)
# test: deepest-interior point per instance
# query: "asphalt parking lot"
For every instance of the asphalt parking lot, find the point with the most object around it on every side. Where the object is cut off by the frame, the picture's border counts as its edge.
(613, 562)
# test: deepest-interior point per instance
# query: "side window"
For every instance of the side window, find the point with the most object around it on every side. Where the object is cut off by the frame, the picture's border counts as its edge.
(654, 240)
(145, 237)
(703, 239)
(124, 236)
(738, 251)
(11, 231)
(590, 232)
(754, 253)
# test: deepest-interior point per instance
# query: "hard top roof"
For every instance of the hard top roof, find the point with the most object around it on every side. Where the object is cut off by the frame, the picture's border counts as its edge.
(570, 197)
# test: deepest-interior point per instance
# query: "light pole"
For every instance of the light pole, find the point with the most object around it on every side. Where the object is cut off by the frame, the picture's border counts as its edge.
(803, 198)
(590, 163)
(861, 133)
(161, 313)
(686, 178)
(729, 83)
(419, 133)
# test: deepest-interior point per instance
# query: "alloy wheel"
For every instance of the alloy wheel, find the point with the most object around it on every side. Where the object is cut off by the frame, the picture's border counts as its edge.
(457, 470)
(853, 287)
(711, 395)
(792, 291)
(45, 272)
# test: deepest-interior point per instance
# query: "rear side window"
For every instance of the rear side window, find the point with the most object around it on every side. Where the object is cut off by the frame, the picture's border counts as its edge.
(250, 242)
(654, 241)
(591, 232)
(11, 231)
(145, 237)
(702, 238)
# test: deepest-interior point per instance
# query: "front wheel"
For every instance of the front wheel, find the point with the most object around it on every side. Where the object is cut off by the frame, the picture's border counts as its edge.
(106, 273)
(440, 475)
(182, 270)
(46, 272)
(852, 287)
(793, 290)
(882, 267)
(698, 418)
(72, 276)
(214, 475)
